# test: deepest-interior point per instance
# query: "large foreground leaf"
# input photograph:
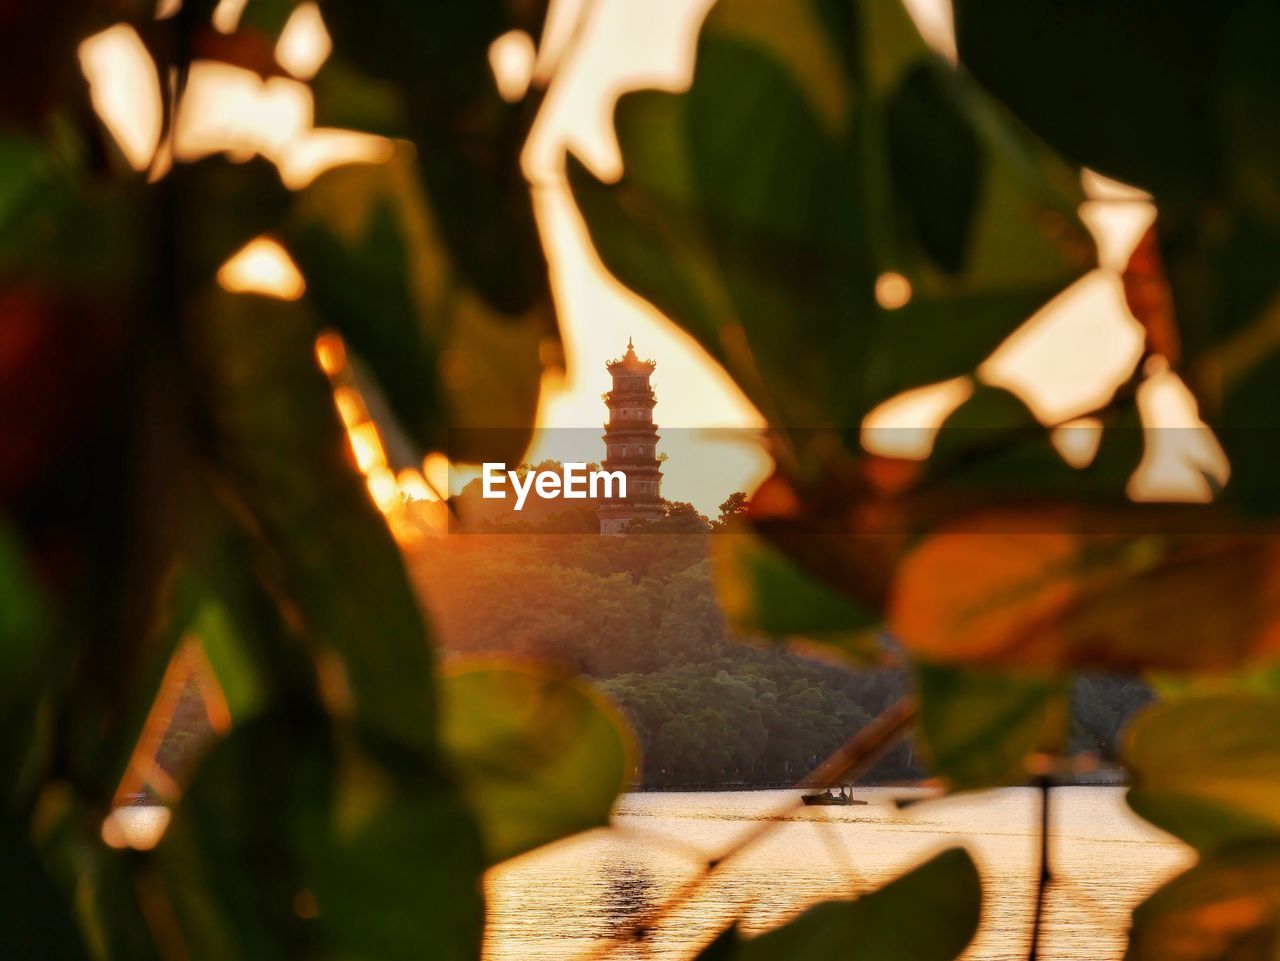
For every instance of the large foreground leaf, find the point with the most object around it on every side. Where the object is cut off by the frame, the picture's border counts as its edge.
(36, 919)
(467, 138)
(821, 149)
(540, 753)
(928, 914)
(433, 265)
(369, 241)
(764, 593)
(297, 840)
(1119, 87)
(322, 546)
(1226, 908)
(1022, 590)
(1172, 100)
(1177, 101)
(24, 647)
(98, 884)
(1208, 768)
(977, 728)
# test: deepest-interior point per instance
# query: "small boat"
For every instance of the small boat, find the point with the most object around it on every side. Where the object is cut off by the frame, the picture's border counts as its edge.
(842, 796)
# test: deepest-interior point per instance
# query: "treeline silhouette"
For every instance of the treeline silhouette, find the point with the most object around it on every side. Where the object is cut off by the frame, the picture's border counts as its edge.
(639, 614)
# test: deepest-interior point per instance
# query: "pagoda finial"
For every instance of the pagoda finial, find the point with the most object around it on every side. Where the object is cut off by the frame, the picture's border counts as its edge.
(629, 360)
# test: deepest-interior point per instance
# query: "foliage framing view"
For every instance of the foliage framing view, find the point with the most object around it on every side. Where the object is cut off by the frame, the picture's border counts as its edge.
(179, 478)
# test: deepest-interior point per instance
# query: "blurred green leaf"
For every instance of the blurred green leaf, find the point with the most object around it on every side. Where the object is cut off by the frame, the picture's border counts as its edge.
(100, 884)
(978, 728)
(296, 840)
(267, 17)
(24, 649)
(221, 207)
(140, 508)
(37, 58)
(451, 258)
(927, 914)
(34, 913)
(240, 630)
(992, 448)
(364, 240)
(1262, 680)
(146, 665)
(1176, 102)
(347, 98)
(1226, 908)
(991, 418)
(1173, 100)
(25, 181)
(723, 947)
(1123, 88)
(1220, 262)
(780, 186)
(763, 593)
(467, 138)
(540, 753)
(236, 674)
(369, 242)
(323, 548)
(1207, 769)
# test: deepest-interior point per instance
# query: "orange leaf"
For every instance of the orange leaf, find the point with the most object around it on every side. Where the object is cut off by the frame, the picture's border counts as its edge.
(1146, 289)
(1044, 599)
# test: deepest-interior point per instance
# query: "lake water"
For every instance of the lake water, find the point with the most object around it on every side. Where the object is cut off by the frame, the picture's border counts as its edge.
(569, 900)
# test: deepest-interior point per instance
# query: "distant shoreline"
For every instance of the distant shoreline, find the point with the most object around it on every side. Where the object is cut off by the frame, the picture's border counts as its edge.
(1105, 778)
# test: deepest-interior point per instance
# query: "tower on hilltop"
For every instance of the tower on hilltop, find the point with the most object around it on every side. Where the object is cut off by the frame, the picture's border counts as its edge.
(631, 441)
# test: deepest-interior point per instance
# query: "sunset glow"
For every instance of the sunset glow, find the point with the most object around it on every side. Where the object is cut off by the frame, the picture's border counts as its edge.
(1181, 455)
(304, 44)
(906, 425)
(640, 480)
(125, 89)
(262, 267)
(511, 57)
(1078, 441)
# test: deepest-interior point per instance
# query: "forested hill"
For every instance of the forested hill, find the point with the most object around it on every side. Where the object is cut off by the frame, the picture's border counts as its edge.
(638, 613)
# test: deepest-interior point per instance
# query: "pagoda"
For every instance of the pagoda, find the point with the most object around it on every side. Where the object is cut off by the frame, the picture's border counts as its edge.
(631, 441)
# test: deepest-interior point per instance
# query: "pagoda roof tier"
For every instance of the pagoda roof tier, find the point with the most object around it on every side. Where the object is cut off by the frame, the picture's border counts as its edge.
(614, 400)
(631, 362)
(632, 397)
(646, 431)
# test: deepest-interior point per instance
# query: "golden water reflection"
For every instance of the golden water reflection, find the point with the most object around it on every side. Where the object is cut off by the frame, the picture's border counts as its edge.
(567, 900)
